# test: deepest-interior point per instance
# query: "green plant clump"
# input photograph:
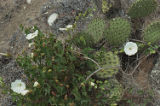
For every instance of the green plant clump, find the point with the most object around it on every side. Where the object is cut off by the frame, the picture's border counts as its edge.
(61, 73)
(105, 6)
(152, 32)
(107, 60)
(95, 29)
(118, 31)
(83, 40)
(142, 8)
(115, 93)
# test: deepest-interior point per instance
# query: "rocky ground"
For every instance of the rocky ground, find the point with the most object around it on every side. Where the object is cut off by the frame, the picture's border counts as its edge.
(14, 13)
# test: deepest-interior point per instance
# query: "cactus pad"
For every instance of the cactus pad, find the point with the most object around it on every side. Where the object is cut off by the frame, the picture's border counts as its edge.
(110, 60)
(152, 32)
(118, 31)
(96, 28)
(142, 8)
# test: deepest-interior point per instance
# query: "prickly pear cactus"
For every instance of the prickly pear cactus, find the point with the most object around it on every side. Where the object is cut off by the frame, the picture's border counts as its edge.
(142, 8)
(152, 32)
(82, 40)
(118, 31)
(108, 59)
(95, 29)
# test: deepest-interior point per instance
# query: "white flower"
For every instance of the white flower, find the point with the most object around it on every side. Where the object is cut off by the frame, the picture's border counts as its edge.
(30, 44)
(31, 55)
(35, 84)
(62, 29)
(66, 28)
(32, 35)
(130, 48)
(69, 26)
(29, 1)
(52, 18)
(92, 84)
(4, 54)
(24, 92)
(18, 86)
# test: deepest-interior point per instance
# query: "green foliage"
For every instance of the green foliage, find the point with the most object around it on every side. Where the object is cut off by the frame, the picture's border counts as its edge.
(61, 74)
(118, 31)
(110, 60)
(152, 32)
(1, 81)
(82, 40)
(95, 29)
(115, 91)
(111, 92)
(142, 8)
(81, 16)
(105, 6)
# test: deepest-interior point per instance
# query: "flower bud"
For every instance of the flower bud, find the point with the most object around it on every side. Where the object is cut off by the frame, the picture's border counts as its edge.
(36, 84)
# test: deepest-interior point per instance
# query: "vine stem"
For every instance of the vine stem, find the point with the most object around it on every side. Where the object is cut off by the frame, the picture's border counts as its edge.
(108, 67)
(88, 58)
(99, 67)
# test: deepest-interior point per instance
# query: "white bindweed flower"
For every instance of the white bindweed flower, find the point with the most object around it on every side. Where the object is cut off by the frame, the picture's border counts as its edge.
(24, 92)
(29, 1)
(62, 29)
(32, 35)
(30, 44)
(36, 84)
(130, 48)
(4, 54)
(92, 84)
(52, 18)
(18, 86)
(69, 26)
(66, 28)
(32, 55)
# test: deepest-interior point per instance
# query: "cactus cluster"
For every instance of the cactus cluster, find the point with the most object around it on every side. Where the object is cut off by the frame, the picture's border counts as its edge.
(118, 31)
(152, 32)
(96, 28)
(142, 8)
(107, 60)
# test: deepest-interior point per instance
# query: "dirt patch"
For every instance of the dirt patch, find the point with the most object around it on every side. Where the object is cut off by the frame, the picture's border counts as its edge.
(16, 13)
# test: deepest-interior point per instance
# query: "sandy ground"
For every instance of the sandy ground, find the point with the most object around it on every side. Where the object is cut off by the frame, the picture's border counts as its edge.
(15, 13)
